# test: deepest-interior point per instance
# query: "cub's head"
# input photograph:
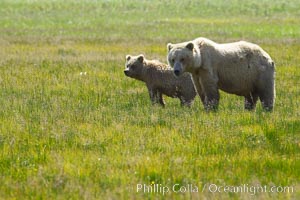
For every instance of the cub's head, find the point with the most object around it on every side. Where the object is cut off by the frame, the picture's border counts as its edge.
(183, 57)
(134, 66)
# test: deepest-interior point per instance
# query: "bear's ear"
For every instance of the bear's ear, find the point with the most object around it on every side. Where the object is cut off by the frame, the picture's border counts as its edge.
(169, 46)
(128, 57)
(141, 58)
(190, 46)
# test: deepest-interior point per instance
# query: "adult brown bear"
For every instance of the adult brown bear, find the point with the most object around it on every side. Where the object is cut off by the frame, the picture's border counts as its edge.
(240, 68)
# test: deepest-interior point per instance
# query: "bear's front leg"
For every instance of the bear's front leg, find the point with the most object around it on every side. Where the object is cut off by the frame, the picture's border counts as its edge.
(211, 91)
(211, 101)
(198, 88)
(160, 99)
(183, 102)
(250, 101)
(153, 96)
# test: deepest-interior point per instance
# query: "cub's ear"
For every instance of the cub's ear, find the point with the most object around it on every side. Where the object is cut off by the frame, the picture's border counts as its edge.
(190, 46)
(169, 46)
(128, 57)
(141, 58)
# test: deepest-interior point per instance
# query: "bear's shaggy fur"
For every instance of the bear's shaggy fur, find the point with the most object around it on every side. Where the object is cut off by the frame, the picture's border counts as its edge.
(160, 79)
(240, 68)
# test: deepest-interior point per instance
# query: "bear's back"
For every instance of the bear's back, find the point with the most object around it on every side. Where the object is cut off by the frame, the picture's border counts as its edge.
(239, 66)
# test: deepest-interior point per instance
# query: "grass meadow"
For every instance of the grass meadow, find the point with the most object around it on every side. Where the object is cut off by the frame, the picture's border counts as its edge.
(72, 126)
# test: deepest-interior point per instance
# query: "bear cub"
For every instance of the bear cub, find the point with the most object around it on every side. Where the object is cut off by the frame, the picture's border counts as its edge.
(160, 79)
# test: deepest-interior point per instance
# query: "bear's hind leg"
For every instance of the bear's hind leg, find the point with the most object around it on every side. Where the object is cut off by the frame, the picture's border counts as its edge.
(250, 101)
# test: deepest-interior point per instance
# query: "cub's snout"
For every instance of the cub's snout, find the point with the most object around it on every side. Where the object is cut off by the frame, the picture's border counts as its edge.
(126, 72)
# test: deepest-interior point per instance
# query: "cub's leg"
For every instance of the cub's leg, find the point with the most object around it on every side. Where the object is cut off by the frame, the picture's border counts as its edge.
(160, 98)
(153, 96)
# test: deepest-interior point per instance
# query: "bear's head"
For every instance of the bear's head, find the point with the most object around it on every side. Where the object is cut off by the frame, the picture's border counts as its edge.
(134, 66)
(183, 57)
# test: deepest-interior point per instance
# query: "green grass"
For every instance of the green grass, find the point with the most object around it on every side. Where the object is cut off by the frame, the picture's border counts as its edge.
(96, 136)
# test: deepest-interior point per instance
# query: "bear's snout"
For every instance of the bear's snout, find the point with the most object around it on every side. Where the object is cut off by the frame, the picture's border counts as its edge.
(176, 72)
(177, 68)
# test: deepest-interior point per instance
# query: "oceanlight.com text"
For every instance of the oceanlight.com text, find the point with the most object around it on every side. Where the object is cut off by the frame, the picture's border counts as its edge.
(212, 188)
(246, 188)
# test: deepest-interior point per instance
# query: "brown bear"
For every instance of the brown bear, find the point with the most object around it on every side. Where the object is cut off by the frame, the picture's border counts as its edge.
(160, 79)
(240, 68)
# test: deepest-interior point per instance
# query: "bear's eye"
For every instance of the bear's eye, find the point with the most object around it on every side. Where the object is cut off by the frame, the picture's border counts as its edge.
(182, 60)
